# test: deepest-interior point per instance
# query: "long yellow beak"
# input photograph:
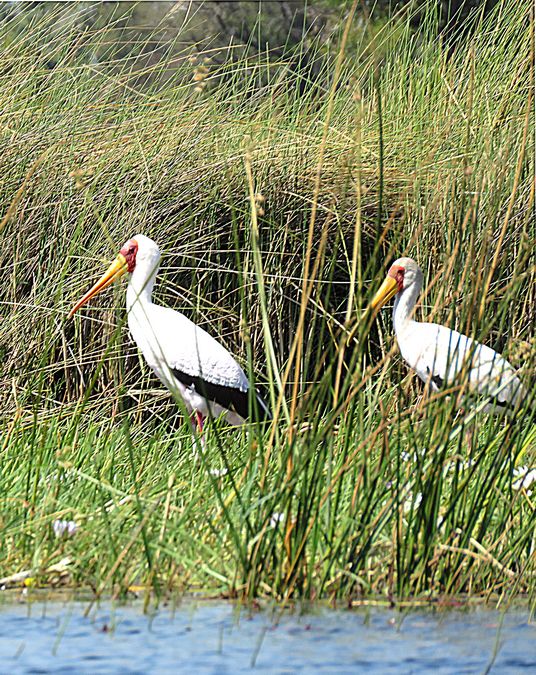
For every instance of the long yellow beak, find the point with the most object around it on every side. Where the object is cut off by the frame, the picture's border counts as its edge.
(116, 270)
(385, 292)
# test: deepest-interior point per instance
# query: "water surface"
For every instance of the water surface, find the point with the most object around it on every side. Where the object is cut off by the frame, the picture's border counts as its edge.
(217, 637)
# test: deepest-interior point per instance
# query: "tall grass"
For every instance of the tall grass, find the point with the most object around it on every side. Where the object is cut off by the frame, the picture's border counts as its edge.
(277, 210)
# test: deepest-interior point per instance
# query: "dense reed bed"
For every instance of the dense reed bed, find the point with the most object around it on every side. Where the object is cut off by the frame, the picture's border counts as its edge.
(278, 204)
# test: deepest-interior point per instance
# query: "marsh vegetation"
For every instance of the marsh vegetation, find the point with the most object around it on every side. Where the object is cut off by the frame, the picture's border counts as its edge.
(277, 201)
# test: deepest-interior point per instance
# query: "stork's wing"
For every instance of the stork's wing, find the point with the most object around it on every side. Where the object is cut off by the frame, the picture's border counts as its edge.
(189, 349)
(177, 348)
(447, 358)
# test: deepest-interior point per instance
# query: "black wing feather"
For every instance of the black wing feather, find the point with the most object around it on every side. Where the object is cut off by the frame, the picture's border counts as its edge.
(230, 398)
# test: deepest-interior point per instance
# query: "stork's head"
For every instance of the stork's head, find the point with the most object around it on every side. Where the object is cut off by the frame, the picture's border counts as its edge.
(140, 252)
(137, 253)
(402, 274)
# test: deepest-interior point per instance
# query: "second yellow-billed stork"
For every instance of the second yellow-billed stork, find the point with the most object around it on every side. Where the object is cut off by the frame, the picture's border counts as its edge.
(186, 359)
(442, 357)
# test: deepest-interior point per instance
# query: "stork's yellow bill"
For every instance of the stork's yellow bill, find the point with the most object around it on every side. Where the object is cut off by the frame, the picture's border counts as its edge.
(385, 292)
(115, 271)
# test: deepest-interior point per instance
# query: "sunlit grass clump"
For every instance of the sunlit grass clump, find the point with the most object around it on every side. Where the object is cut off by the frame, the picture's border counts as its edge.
(277, 207)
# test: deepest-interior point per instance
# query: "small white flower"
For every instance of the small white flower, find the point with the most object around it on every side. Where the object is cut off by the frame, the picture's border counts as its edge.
(404, 456)
(64, 528)
(468, 464)
(218, 473)
(412, 502)
(456, 465)
(525, 477)
(276, 518)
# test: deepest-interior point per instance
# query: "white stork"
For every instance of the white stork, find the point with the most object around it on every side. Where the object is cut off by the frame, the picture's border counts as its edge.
(440, 356)
(186, 359)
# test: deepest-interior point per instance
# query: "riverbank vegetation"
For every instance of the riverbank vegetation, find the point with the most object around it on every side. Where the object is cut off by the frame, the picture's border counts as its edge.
(278, 199)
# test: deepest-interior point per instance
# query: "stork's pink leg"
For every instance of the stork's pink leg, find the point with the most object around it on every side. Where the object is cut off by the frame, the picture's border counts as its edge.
(199, 419)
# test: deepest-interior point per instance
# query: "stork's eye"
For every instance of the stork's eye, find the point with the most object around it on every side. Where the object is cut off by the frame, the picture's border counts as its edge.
(400, 278)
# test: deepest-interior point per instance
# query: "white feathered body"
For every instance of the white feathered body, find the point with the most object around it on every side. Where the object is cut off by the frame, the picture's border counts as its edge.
(170, 341)
(445, 358)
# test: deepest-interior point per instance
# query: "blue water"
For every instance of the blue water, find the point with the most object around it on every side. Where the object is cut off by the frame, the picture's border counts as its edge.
(210, 637)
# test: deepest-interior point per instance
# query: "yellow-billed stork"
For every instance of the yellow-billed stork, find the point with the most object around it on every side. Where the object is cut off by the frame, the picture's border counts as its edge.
(442, 357)
(186, 359)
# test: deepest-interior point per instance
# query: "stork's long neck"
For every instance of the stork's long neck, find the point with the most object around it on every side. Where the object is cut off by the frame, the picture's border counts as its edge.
(140, 289)
(403, 310)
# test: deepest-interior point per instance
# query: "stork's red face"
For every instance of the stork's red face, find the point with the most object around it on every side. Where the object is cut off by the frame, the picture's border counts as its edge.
(393, 284)
(125, 262)
(129, 252)
(397, 272)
